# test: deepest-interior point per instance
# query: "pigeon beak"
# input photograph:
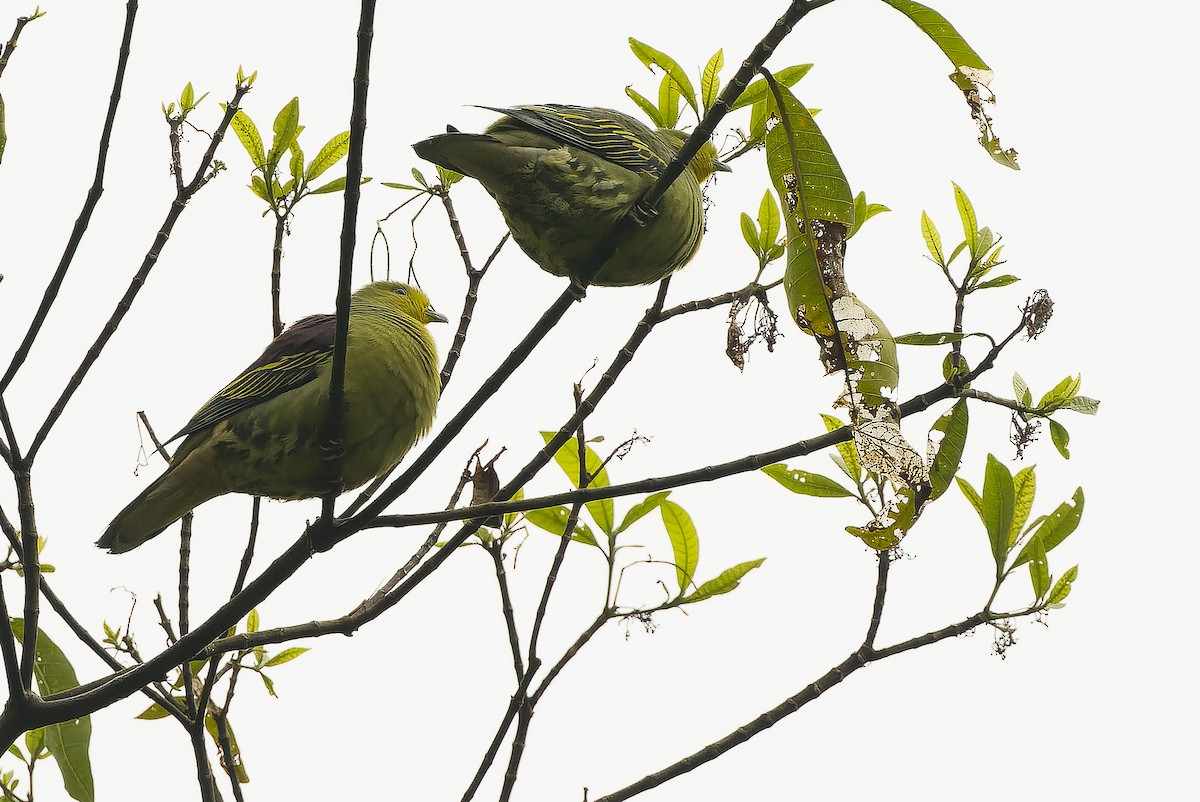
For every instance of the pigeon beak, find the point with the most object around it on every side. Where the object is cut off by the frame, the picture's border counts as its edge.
(721, 167)
(434, 316)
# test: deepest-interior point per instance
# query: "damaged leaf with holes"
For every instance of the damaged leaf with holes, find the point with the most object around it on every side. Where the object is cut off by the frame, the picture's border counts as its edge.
(971, 74)
(805, 483)
(750, 319)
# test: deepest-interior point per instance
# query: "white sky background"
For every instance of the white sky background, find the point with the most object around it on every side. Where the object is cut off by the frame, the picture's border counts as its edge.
(1099, 705)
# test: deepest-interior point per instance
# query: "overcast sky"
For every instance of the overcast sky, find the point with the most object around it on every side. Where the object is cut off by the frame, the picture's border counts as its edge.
(1099, 704)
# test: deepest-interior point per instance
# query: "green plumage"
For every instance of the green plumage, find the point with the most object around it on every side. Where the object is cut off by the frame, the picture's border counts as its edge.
(261, 434)
(563, 176)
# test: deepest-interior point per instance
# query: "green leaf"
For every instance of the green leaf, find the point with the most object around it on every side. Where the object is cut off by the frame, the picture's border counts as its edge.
(336, 185)
(952, 427)
(819, 193)
(710, 80)
(554, 521)
(972, 496)
(642, 508)
(286, 656)
(187, 98)
(886, 531)
(330, 154)
(750, 234)
(758, 91)
(395, 185)
(684, 542)
(933, 240)
(971, 74)
(656, 58)
(510, 518)
(1056, 527)
(259, 187)
(551, 519)
(1080, 403)
(286, 128)
(1062, 588)
(920, 338)
(998, 505)
(937, 28)
(448, 178)
(68, 741)
(726, 581)
(247, 134)
(1061, 438)
(1060, 394)
(210, 724)
(668, 102)
(1021, 391)
(295, 166)
(15, 750)
(949, 368)
(864, 211)
(998, 281)
(646, 106)
(155, 711)
(35, 740)
(1024, 488)
(966, 213)
(769, 221)
(602, 511)
(846, 449)
(252, 621)
(1039, 568)
(758, 123)
(805, 483)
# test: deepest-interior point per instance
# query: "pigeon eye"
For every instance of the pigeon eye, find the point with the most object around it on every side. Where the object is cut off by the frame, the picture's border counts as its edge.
(400, 291)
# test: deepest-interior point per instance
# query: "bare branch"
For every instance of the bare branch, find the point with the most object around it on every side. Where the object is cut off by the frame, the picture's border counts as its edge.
(89, 204)
(332, 444)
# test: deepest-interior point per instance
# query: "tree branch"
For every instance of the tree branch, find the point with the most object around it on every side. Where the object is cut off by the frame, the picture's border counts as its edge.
(358, 131)
(89, 204)
(202, 176)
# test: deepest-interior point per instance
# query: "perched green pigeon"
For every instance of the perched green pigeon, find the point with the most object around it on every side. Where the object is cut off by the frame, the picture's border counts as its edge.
(564, 175)
(261, 434)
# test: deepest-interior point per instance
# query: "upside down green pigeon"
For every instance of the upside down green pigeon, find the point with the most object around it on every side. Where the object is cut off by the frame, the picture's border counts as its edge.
(262, 433)
(563, 176)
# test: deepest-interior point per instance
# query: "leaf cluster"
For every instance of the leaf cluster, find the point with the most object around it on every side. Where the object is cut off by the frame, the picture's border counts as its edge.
(265, 180)
(603, 534)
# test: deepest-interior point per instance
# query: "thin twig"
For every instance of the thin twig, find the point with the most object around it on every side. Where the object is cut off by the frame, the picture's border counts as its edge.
(248, 553)
(202, 176)
(204, 772)
(885, 563)
(185, 558)
(496, 550)
(335, 412)
(89, 205)
(7, 50)
(277, 272)
(229, 757)
(493, 749)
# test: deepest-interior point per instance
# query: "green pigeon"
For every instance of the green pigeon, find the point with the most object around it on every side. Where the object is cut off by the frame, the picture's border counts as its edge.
(261, 434)
(563, 176)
